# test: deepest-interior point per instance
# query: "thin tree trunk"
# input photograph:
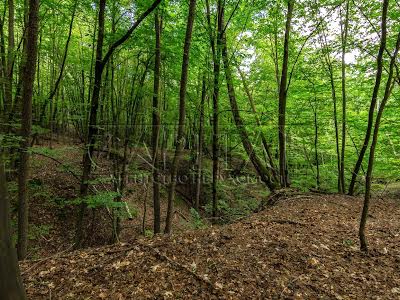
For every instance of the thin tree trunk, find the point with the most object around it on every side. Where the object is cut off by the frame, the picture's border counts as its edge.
(260, 168)
(10, 56)
(200, 145)
(60, 76)
(334, 116)
(267, 147)
(216, 57)
(3, 64)
(316, 148)
(180, 142)
(367, 196)
(345, 28)
(335, 120)
(11, 287)
(92, 131)
(156, 125)
(282, 100)
(26, 125)
(378, 79)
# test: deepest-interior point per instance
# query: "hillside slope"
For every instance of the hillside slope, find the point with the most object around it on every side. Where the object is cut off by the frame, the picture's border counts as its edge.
(303, 248)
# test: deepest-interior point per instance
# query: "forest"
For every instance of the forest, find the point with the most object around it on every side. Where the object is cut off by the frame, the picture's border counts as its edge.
(200, 149)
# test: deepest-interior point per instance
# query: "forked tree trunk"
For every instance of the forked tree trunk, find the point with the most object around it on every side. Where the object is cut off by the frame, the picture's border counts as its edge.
(180, 142)
(28, 79)
(378, 79)
(367, 196)
(11, 287)
(92, 131)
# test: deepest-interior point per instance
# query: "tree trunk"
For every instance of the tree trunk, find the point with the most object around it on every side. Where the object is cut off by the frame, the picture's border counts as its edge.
(344, 28)
(26, 124)
(216, 57)
(378, 79)
(62, 68)
(92, 131)
(282, 100)
(200, 145)
(3, 65)
(316, 147)
(260, 168)
(10, 57)
(367, 196)
(266, 145)
(156, 125)
(11, 287)
(334, 116)
(335, 120)
(180, 142)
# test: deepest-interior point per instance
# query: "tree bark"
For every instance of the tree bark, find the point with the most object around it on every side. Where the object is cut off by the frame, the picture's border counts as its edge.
(11, 287)
(180, 142)
(26, 124)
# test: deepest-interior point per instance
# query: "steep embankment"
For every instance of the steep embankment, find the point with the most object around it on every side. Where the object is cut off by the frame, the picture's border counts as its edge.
(303, 248)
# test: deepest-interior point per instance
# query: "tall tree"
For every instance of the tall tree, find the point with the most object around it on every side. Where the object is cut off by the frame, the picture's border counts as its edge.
(367, 195)
(180, 141)
(156, 125)
(344, 34)
(28, 79)
(330, 68)
(215, 43)
(265, 144)
(283, 98)
(262, 171)
(200, 144)
(378, 79)
(92, 131)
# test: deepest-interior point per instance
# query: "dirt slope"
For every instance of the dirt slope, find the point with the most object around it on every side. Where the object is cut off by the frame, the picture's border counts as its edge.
(305, 247)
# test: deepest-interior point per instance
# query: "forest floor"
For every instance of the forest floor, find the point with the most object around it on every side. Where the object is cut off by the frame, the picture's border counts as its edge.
(304, 247)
